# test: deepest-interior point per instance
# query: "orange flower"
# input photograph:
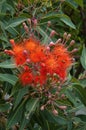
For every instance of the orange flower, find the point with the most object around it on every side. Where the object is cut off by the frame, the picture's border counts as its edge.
(38, 54)
(50, 64)
(41, 60)
(63, 60)
(19, 55)
(31, 44)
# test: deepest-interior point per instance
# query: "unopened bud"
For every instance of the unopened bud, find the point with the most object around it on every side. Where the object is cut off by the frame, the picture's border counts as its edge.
(12, 42)
(59, 40)
(65, 35)
(63, 107)
(48, 48)
(72, 43)
(25, 52)
(57, 93)
(74, 50)
(26, 68)
(24, 24)
(35, 22)
(28, 60)
(63, 96)
(26, 28)
(49, 23)
(55, 75)
(68, 36)
(9, 52)
(59, 88)
(29, 20)
(51, 44)
(55, 112)
(43, 64)
(42, 108)
(53, 32)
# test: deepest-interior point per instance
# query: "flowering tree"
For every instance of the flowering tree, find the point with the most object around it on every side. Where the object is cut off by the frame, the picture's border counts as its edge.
(42, 70)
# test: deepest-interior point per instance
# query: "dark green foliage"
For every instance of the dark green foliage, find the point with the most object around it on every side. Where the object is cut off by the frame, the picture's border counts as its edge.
(18, 111)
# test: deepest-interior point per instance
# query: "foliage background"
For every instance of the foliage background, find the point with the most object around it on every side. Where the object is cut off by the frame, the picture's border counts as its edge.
(65, 16)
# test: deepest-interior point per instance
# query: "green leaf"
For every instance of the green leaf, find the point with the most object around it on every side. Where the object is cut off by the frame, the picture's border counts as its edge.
(45, 36)
(15, 22)
(81, 92)
(81, 112)
(8, 78)
(31, 106)
(64, 18)
(20, 95)
(7, 64)
(16, 88)
(16, 115)
(54, 119)
(4, 107)
(68, 22)
(79, 2)
(83, 57)
(23, 123)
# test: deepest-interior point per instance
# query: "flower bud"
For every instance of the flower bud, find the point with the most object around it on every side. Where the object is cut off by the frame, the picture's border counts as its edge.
(42, 108)
(35, 22)
(55, 112)
(59, 40)
(51, 44)
(12, 42)
(72, 43)
(9, 52)
(53, 32)
(26, 28)
(49, 23)
(26, 68)
(25, 52)
(74, 50)
(48, 48)
(29, 20)
(63, 107)
(43, 64)
(63, 96)
(68, 36)
(59, 88)
(65, 35)
(28, 60)
(24, 24)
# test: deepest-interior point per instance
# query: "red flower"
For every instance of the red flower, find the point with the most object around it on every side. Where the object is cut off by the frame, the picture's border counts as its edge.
(26, 77)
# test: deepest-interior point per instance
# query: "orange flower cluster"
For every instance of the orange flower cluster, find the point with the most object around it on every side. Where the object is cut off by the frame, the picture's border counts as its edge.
(40, 62)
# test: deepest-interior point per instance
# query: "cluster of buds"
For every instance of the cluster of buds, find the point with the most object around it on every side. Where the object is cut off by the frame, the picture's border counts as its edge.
(43, 67)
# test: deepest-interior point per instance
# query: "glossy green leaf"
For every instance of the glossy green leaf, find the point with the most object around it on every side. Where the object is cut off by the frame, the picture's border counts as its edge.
(20, 95)
(15, 115)
(31, 106)
(64, 18)
(15, 22)
(7, 64)
(8, 78)
(16, 88)
(83, 57)
(54, 119)
(68, 22)
(4, 107)
(79, 2)
(24, 121)
(81, 92)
